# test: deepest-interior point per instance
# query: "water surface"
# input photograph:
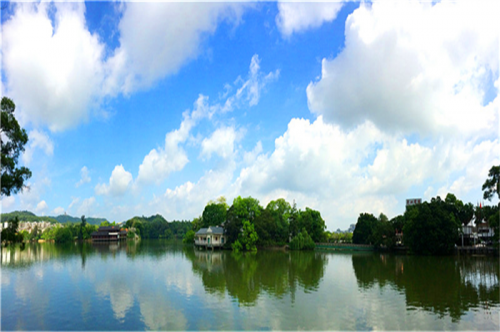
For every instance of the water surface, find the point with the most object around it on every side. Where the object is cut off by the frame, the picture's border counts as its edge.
(158, 285)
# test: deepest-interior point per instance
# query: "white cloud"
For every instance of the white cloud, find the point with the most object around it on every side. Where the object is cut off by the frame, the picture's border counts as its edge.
(54, 72)
(58, 211)
(87, 207)
(162, 161)
(251, 156)
(119, 182)
(57, 71)
(40, 140)
(7, 202)
(414, 67)
(295, 17)
(85, 177)
(159, 163)
(73, 202)
(255, 83)
(41, 207)
(343, 173)
(146, 55)
(221, 142)
(31, 195)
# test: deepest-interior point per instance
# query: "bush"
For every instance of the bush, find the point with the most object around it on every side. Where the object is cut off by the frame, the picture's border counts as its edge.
(302, 241)
(237, 247)
(63, 235)
(189, 237)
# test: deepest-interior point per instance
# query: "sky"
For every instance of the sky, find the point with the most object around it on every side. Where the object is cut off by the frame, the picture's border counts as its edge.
(136, 108)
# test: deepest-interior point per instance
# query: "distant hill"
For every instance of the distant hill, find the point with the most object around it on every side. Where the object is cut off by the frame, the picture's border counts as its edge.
(65, 218)
(30, 216)
(25, 216)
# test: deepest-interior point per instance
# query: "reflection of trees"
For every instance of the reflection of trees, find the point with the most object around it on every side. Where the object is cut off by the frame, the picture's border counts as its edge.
(16, 257)
(245, 276)
(443, 285)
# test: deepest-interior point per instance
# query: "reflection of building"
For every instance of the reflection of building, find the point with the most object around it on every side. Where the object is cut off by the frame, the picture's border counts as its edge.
(109, 233)
(211, 237)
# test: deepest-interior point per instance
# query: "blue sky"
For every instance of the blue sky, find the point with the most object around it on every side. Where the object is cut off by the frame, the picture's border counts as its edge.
(145, 108)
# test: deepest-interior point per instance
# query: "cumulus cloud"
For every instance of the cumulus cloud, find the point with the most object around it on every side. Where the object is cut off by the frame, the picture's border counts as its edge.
(414, 67)
(345, 172)
(87, 207)
(162, 161)
(85, 177)
(54, 71)
(31, 195)
(295, 17)
(8, 202)
(221, 142)
(118, 183)
(146, 55)
(58, 73)
(37, 140)
(41, 207)
(58, 211)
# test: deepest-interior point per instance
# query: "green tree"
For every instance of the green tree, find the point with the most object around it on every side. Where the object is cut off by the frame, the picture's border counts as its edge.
(280, 211)
(214, 214)
(431, 229)
(13, 139)
(82, 227)
(492, 184)
(189, 237)
(242, 209)
(248, 237)
(10, 234)
(302, 241)
(63, 235)
(315, 225)
(364, 229)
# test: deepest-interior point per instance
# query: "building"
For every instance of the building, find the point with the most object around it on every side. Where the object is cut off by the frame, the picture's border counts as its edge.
(413, 201)
(109, 233)
(211, 237)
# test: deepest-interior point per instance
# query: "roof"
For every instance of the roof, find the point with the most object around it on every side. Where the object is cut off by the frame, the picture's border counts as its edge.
(211, 230)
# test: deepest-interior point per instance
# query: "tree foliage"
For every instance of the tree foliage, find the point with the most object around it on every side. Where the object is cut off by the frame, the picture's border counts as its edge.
(214, 214)
(302, 241)
(431, 229)
(9, 234)
(364, 229)
(13, 139)
(492, 184)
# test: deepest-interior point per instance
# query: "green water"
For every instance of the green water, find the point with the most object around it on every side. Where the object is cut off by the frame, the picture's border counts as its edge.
(157, 285)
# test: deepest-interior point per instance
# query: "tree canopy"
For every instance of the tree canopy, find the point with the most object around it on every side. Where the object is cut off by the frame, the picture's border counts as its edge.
(13, 139)
(492, 184)
(430, 228)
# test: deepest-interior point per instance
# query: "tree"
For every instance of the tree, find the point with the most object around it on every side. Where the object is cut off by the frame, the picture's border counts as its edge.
(492, 184)
(247, 239)
(302, 241)
(189, 237)
(315, 225)
(364, 229)
(430, 228)
(9, 234)
(214, 214)
(82, 227)
(13, 139)
(242, 209)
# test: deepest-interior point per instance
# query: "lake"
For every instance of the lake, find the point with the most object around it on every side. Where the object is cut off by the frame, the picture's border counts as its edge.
(161, 285)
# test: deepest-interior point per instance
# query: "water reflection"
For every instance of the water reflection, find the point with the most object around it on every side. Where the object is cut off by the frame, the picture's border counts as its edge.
(443, 285)
(245, 276)
(162, 285)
